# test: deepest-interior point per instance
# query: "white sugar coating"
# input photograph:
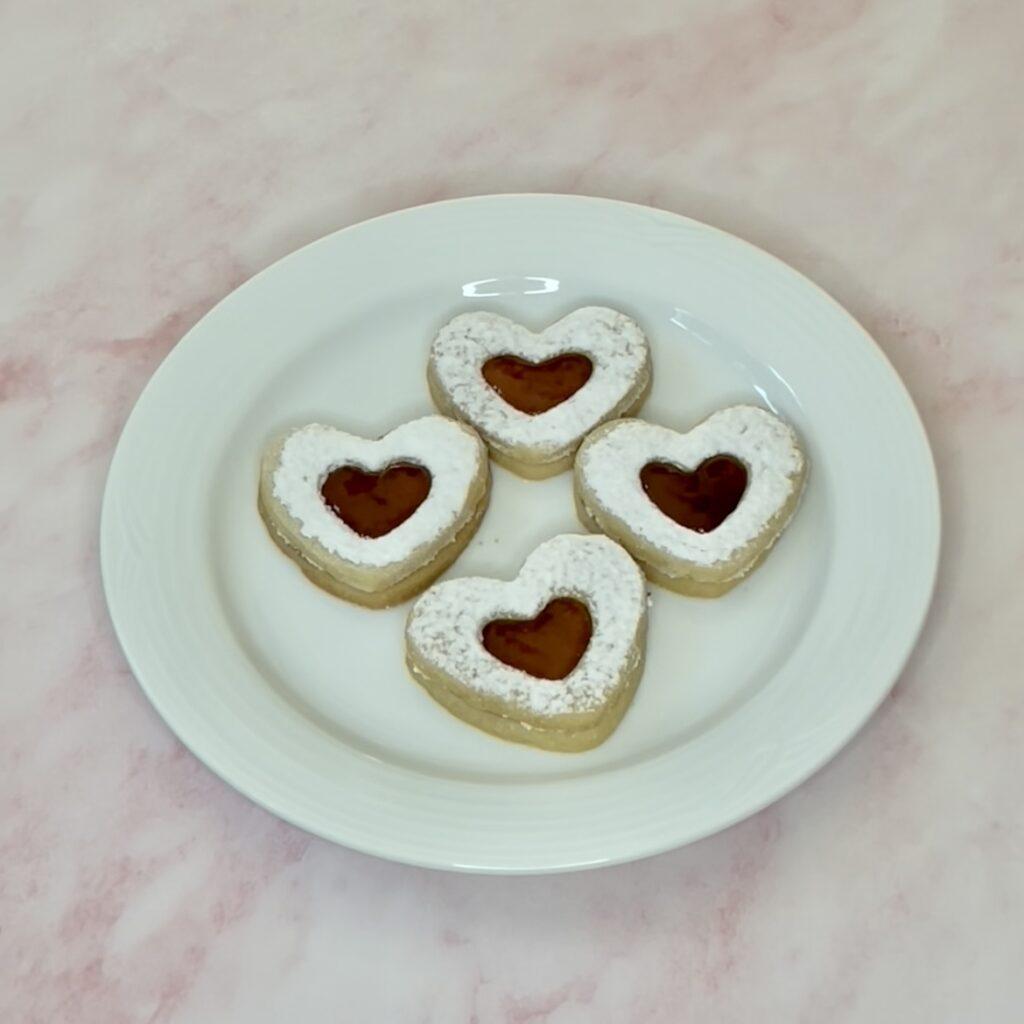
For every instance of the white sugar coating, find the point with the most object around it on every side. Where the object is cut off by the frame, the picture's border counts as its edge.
(446, 623)
(447, 450)
(610, 467)
(614, 343)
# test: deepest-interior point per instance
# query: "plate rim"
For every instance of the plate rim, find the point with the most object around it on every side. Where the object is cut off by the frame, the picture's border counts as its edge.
(174, 720)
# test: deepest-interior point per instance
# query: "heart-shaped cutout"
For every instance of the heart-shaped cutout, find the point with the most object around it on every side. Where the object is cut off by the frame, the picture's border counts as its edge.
(551, 658)
(698, 510)
(534, 397)
(548, 646)
(534, 388)
(700, 500)
(374, 521)
(373, 504)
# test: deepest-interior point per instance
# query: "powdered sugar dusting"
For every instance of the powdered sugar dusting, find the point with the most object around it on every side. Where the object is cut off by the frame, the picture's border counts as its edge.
(450, 452)
(614, 343)
(609, 466)
(445, 624)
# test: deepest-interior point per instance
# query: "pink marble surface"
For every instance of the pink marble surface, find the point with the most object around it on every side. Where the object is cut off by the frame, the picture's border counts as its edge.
(152, 156)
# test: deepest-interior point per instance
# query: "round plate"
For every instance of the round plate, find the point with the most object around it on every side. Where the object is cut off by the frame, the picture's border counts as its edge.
(302, 702)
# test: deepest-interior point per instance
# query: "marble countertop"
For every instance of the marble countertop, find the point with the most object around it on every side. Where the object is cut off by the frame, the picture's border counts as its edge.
(156, 155)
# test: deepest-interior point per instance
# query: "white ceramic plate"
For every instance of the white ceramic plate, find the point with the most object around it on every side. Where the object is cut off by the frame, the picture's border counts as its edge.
(302, 702)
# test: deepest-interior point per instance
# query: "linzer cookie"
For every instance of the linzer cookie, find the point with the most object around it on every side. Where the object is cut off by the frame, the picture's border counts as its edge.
(533, 397)
(375, 521)
(551, 659)
(698, 510)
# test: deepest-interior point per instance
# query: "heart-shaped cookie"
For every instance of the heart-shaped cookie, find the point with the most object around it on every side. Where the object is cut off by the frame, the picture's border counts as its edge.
(375, 521)
(698, 510)
(551, 659)
(534, 397)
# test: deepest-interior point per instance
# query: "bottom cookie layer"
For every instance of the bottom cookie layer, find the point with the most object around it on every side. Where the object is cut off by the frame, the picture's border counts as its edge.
(466, 705)
(522, 460)
(406, 588)
(532, 470)
(684, 584)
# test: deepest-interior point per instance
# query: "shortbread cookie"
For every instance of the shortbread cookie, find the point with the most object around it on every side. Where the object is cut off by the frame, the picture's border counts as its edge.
(551, 659)
(534, 397)
(698, 510)
(375, 521)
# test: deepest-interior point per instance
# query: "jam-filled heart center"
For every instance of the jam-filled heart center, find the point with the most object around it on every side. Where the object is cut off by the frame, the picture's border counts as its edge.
(548, 646)
(700, 500)
(534, 388)
(373, 504)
